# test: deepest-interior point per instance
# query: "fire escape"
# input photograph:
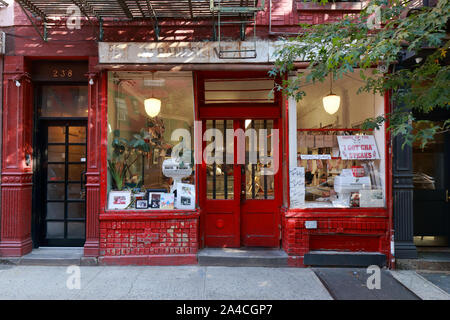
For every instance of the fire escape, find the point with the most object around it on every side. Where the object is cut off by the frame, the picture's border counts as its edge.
(222, 13)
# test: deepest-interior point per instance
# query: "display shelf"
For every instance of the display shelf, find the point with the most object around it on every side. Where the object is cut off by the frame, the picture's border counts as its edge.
(148, 214)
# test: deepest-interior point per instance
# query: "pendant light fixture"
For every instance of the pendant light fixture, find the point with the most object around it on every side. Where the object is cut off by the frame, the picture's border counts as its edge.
(152, 105)
(332, 101)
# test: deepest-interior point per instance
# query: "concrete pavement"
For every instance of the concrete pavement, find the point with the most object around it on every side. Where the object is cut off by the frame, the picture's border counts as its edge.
(181, 283)
(185, 282)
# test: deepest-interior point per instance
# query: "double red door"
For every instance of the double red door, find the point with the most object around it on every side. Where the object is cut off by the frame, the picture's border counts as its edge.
(240, 185)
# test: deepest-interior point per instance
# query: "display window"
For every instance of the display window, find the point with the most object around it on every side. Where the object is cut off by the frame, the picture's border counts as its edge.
(150, 141)
(338, 164)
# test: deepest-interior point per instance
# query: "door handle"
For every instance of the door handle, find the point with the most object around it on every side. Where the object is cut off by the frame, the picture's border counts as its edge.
(446, 196)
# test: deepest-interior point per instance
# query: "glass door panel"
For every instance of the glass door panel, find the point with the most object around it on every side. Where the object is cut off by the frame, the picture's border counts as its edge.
(64, 153)
(257, 184)
(431, 191)
(220, 176)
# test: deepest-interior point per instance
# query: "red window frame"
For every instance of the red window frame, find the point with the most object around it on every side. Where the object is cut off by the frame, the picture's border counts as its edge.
(352, 212)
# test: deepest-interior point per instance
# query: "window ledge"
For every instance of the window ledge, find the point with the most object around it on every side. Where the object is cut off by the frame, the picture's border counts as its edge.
(345, 6)
(147, 214)
(334, 212)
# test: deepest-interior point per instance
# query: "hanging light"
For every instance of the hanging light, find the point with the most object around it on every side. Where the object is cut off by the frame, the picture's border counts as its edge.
(332, 101)
(152, 105)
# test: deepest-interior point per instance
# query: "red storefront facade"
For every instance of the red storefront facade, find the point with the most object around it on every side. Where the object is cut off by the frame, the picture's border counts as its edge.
(175, 236)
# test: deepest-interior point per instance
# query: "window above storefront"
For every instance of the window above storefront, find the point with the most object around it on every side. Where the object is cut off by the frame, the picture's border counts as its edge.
(61, 101)
(241, 90)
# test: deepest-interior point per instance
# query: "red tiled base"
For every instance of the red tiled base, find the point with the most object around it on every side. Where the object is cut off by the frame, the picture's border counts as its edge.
(153, 241)
(346, 232)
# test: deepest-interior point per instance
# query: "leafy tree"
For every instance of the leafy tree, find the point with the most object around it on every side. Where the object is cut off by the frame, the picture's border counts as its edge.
(356, 41)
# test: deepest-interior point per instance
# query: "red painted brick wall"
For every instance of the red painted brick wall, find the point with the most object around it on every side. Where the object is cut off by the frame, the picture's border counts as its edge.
(142, 237)
(341, 232)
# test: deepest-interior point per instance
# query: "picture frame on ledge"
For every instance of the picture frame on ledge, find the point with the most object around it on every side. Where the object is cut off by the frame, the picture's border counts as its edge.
(185, 196)
(154, 200)
(118, 200)
(141, 204)
(167, 201)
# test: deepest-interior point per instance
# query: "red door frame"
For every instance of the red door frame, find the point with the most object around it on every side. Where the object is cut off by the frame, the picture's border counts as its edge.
(242, 111)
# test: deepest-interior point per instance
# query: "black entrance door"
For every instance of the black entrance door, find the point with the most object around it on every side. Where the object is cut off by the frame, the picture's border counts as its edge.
(61, 194)
(431, 188)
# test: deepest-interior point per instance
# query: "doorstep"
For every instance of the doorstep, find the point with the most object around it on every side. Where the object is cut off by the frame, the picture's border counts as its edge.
(52, 256)
(242, 257)
(436, 259)
(344, 259)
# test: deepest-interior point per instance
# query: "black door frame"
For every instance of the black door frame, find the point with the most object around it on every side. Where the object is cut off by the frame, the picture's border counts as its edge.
(39, 172)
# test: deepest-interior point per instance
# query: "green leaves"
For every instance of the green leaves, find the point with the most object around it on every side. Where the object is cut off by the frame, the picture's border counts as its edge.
(119, 164)
(341, 47)
(139, 142)
(118, 172)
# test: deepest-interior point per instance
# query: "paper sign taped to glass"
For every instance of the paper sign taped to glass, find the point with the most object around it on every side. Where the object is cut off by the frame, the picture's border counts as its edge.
(315, 156)
(297, 187)
(185, 196)
(358, 147)
(371, 198)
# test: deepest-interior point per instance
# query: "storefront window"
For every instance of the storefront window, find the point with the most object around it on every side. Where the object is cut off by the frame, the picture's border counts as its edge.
(150, 141)
(338, 164)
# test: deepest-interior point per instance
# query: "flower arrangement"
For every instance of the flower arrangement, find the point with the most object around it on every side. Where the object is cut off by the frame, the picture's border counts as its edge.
(126, 152)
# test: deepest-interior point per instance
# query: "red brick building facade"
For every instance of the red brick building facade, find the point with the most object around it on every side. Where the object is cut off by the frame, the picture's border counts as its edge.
(162, 237)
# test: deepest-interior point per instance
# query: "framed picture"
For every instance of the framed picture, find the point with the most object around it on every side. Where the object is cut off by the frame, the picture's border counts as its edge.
(167, 201)
(141, 204)
(154, 200)
(185, 196)
(119, 199)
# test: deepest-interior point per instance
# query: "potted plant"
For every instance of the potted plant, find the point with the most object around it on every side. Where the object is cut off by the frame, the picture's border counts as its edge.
(125, 153)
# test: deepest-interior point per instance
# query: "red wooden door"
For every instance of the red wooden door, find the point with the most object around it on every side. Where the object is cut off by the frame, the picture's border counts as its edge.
(240, 203)
(261, 186)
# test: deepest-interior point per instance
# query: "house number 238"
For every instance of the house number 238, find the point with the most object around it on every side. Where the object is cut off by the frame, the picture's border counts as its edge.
(62, 73)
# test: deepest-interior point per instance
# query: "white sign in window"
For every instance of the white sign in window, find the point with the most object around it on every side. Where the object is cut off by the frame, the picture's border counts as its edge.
(358, 147)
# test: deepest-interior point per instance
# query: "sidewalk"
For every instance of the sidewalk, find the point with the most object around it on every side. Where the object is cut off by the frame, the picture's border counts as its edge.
(180, 283)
